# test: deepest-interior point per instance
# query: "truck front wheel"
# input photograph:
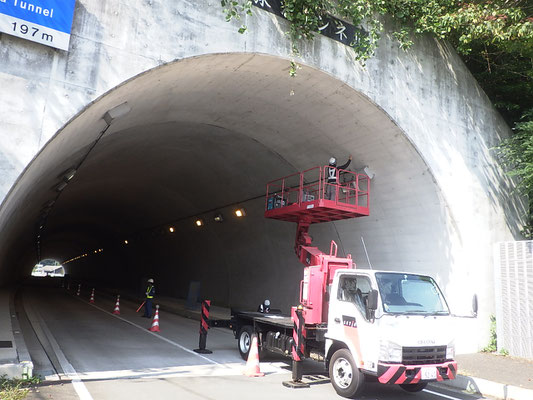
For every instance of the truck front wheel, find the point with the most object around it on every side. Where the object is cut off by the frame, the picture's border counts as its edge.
(245, 341)
(345, 376)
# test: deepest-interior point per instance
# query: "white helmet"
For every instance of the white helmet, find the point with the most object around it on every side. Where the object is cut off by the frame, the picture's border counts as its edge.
(150, 280)
(332, 161)
(267, 302)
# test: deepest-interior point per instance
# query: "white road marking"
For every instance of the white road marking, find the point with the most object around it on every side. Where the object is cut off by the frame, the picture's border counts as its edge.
(231, 369)
(441, 395)
(154, 334)
(67, 368)
(185, 371)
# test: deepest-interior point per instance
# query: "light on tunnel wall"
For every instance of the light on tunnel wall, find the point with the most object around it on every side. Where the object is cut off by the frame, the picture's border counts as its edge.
(116, 112)
(171, 229)
(240, 212)
(69, 174)
(199, 222)
(61, 186)
(369, 172)
(218, 218)
(126, 242)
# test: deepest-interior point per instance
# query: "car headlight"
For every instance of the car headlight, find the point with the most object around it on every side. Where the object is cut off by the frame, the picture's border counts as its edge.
(450, 351)
(390, 351)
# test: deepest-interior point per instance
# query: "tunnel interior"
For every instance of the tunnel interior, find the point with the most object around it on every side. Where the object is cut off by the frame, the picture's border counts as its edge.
(199, 137)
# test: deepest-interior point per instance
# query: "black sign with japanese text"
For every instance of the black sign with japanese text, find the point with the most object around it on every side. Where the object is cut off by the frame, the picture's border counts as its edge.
(333, 28)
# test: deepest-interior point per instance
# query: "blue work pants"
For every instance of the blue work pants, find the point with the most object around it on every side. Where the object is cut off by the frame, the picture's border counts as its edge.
(148, 308)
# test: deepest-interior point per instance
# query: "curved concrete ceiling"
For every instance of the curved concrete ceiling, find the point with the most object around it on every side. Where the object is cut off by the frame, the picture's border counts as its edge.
(201, 134)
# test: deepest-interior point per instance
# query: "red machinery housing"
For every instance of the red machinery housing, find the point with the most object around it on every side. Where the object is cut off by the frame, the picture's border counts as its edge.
(305, 198)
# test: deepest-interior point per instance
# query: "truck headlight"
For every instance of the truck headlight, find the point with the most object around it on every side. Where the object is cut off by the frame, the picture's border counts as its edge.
(450, 351)
(390, 351)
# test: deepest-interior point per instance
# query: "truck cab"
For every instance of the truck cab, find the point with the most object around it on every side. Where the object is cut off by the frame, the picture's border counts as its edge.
(390, 325)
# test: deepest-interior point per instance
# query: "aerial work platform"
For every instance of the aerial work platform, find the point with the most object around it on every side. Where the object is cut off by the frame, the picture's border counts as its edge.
(307, 196)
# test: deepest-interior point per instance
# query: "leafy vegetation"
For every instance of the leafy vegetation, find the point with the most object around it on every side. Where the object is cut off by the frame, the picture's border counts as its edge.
(517, 154)
(493, 340)
(16, 389)
(492, 347)
(494, 38)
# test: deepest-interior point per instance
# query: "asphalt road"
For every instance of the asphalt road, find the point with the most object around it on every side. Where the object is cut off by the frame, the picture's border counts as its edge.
(85, 352)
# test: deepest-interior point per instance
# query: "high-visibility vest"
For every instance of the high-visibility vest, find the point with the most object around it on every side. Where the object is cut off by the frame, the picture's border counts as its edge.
(332, 175)
(148, 291)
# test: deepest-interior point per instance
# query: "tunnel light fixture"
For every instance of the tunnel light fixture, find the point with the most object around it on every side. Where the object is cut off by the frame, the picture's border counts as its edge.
(61, 186)
(49, 204)
(369, 172)
(199, 222)
(116, 112)
(126, 242)
(218, 218)
(240, 212)
(69, 174)
(171, 229)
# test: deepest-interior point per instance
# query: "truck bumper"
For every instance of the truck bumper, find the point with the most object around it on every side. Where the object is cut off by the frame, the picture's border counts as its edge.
(405, 374)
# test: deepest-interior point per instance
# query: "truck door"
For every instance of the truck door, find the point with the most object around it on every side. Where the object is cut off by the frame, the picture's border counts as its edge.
(349, 322)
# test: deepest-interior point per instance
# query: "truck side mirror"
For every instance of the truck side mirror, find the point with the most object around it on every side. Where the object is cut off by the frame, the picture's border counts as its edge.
(474, 305)
(372, 301)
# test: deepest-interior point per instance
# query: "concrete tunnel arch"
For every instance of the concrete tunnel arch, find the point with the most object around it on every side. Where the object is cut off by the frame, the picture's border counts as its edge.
(439, 199)
(205, 134)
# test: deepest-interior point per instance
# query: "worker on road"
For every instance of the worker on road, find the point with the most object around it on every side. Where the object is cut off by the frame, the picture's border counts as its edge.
(264, 307)
(150, 293)
(331, 176)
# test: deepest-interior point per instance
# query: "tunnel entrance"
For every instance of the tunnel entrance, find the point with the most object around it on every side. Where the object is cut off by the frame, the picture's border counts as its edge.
(198, 138)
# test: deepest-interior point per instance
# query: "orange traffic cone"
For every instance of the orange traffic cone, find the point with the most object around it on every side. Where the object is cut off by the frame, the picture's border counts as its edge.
(252, 364)
(79, 289)
(92, 297)
(117, 306)
(155, 322)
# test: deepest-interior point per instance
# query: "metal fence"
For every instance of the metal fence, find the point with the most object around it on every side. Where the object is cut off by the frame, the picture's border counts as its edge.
(513, 277)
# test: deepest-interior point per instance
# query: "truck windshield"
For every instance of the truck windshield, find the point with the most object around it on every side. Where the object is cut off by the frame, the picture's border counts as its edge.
(410, 294)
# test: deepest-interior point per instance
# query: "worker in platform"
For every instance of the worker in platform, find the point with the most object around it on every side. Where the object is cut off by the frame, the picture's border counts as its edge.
(331, 176)
(264, 307)
(150, 293)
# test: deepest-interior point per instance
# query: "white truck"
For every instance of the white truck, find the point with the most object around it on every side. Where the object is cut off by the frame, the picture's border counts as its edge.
(392, 326)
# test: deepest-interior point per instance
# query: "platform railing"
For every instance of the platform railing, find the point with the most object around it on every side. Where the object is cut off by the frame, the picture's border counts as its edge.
(310, 185)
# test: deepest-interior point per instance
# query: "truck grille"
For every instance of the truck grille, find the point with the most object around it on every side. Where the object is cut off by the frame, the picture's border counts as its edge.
(423, 355)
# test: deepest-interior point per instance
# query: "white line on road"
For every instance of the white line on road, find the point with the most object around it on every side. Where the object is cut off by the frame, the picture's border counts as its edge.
(441, 395)
(67, 368)
(157, 336)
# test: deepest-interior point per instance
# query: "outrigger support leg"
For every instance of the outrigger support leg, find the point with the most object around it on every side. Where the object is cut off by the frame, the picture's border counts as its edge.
(297, 351)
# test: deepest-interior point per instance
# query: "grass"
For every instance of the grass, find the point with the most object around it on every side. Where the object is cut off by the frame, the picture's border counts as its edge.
(16, 389)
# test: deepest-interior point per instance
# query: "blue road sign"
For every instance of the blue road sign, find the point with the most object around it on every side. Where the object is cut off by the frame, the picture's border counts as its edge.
(44, 21)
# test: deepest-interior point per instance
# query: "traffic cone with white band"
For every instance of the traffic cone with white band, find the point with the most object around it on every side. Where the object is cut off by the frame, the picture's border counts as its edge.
(117, 306)
(155, 322)
(79, 289)
(92, 297)
(252, 364)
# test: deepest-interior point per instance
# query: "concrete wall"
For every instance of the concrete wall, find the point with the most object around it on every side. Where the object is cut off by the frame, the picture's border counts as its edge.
(439, 198)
